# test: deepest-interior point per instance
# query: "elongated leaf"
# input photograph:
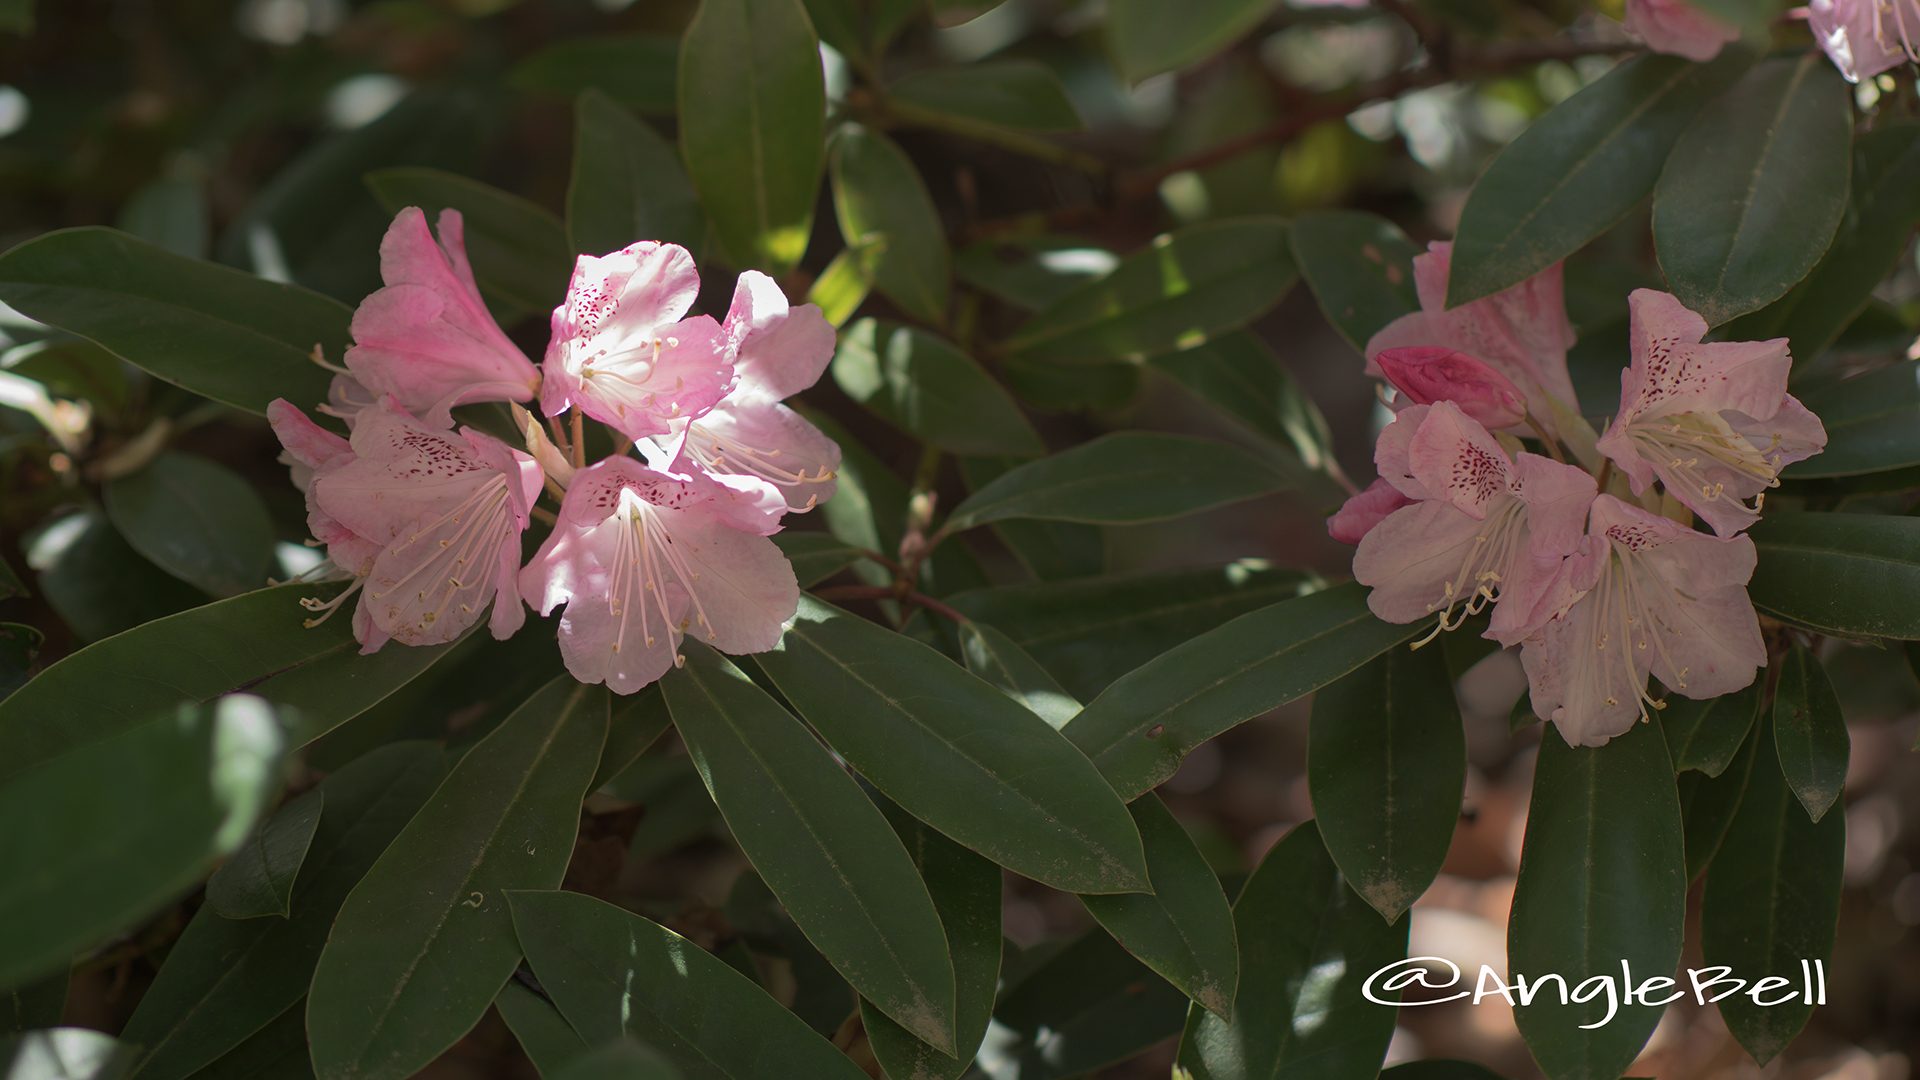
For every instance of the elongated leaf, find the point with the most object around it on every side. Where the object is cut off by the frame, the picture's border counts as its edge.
(252, 643)
(543, 1034)
(1602, 882)
(1239, 375)
(861, 29)
(956, 753)
(1855, 575)
(1705, 735)
(636, 70)
(258, 880)
(842, 287)
(1872, 422)
(1307, 943)
(1181, 290)
(226, 980)
(931, 390)
(196, 520)
(627, 184)
(1575, 172)
(1120, 479)
(1048, 549)
(217, 332)
(518, 249)
(1387, 768)
(1360, 268)
(1809, 733)
(994, 657)
(620, 1060)
(126, 825)
(637, 723)
(1184, 929)
(1708, 803)
(1075, 1010)
(424, 942)
(820, 845)
(1018, 94)
(816, 556)
(42, 1004)
(171, 210)
(1031, 272)
(1772, 903)
(753, 145)
(886, 212)
(1149, 37)
(1139, 729)
(1752, 195)
(97, 583)
(278, 1050)
(613, 973)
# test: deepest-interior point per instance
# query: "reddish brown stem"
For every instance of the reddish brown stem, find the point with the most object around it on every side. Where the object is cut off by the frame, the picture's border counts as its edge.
(882, 592)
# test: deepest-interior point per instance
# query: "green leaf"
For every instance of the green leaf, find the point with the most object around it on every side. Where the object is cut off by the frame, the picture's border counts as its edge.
(627, 184)
(1809, 732)
(64, 1054)
(1151, 36)
(1239, 376)
(1078, 1009)
(1854, 575)
(423, 944)
(42, 1004)
(221, 333)
(1872, 422)
(196, 520)
(623, 1059)
(1307, 942)
(1602, 882)
(1772, 901)
(278, 1050)
(753, 145)
(1122, 479)
(1184, 929)
(1360, 268)
(1091, 631)
(258, 880)
(931, 390)
(19, 647)
(1047, 549)
(1579, 169)
(886, 213)
(816, 556)
(224, 980)
(97, 583)
(819, 843)
(16, 16)
(636, 70)
(1031, 272)
(1017, 94)
(637, 724)
(954, 752)
(1075, 388)
(1140, 728)
(1182, 289)
(519, 250)
(10, 583)
(1387, 769)
(252, 643)
(1705, 735)
(1756, 187)
(842, 287)
(861, 29)
(543, 1034)
(125, 825)
(994, 657)
(171, 210)
(1707, 805)
(613, 973)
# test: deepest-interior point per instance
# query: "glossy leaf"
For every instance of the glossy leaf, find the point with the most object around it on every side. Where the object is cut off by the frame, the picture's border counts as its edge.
(258, 880)
(637, 70)
(1853, 575)
(1772, 902)
(218, 332)
(1360, 268)
(620, 1060)
(1602, 882)
(1705, 735)
(96, 582)
(543, 1034)
(1307, 942)
(842, 287)
(1239, 375)
(1872, 422)
(928, 388)
(1149, 37)
(278, 1050)
(819, 844)
(1122, 479)
(753, 145)
(1576, 171)
(1031, 272)
(1182, 289)
(1140, 728)
(423, 943)
(196, 520)
(816, 556)
(956, 753)
(1755, 188)
(1387, 769)
(34, 1005)
(613, 973)
(886, 213)
(518, 249)
(994, 657)
(1018, 94)
(1708, 803)
(1809, 732)
(1049, 550)
(627, 184)
(1074, 1010)
(637, 723)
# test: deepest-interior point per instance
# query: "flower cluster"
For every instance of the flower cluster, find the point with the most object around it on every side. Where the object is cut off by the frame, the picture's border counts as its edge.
(1594, 570)
(1862, 37)
(664, 537)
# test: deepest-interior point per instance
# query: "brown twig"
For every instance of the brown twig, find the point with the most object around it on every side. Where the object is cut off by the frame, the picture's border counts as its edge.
(883, 592)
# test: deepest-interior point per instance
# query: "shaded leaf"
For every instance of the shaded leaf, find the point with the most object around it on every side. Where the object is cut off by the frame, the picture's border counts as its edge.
(258, 880)
(1854, 575)
(636, 70)
(1872, 422)
(994, 657)
(543, 1034)
(1705, 735)
(518, 249)
(627, 184)
(1809, 732)
(1360, 268)
(1047, 549)
(1707, 806)
(1077, 1009)
(1149, 37)
(1121, 479)
(1018, 94)
(928, 388)
(1239, 375)
(196, 520)
(887, 215)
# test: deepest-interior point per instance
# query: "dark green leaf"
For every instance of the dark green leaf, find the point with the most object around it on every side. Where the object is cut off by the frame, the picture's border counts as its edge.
(1387, 769)
(170, 211)
(637, 71)
(1307, 942)
(753, 145)
(886, 213)
(1705, 735)
(1809, 733)
(1440, 1070)
(1854, 575)
(1772, 904)
(1083, 1007)
(620, 1060)
(196, 520)
(1360, 268)
(1139, 729)
(1872, 422)
(1019, 94)
(42, 1004)
(816, 556)
(637, 723)
(218, 332)
(994, 657)
(613, 973)
(1602, 882)
(1051, 387)
(519, 250)
(1756, 187)
(278, 1050)
(956, 753)
(10, 583)
(16, 16)
(1122, 479)
(98, 584)
(543, 1034)
(1707, 805)
(258, 880)
(1030, 272)
(423, 944)
(1239, 375)
(19, 647)
(861, 29)
(627, 184)
(931, 390)
(1048, 549)
(1151, 36)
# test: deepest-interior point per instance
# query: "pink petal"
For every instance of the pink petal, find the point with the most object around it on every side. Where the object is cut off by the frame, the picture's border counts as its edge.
(782, 350)
(1673, 372)
(1792, 434)
(1521, 332)
(1392, 452)
(1428, 373)
(766, 441)
(1458, 461)
(1846, 32)
(402, 472)
(1557, 498)
(1410, 556)
(1679, 29)
(306, 442)
(1365, 509)
(622, 314)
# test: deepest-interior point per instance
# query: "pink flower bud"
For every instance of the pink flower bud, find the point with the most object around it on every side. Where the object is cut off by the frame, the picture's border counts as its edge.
(1429, 373)
(1364, 510)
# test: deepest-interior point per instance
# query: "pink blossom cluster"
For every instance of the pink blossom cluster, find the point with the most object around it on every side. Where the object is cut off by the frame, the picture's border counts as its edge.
(1593, 568)
(664, 537)
(1862, 37)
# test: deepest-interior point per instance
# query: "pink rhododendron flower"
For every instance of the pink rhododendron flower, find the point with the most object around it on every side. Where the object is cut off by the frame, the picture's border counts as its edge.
(1866, 37)
(1713, 420)
(1483, 527)
(427, 338)
(309, 451)
(1642, 595)
(1521, 332)
(623, 351)
(1678, 28)
(1429, 373)
(442, 513)
(641, 558)
(1365, 509)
